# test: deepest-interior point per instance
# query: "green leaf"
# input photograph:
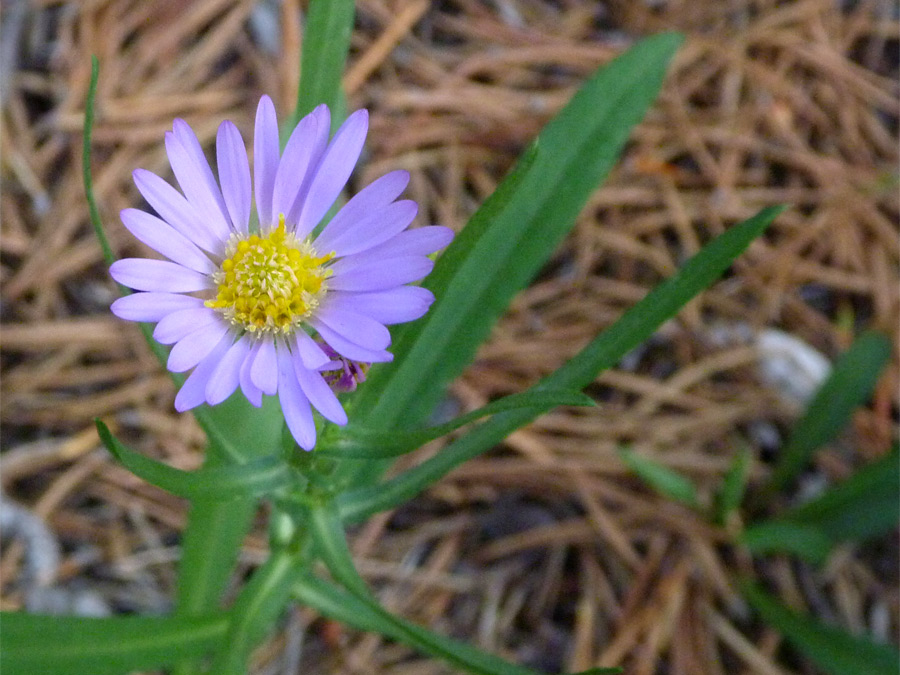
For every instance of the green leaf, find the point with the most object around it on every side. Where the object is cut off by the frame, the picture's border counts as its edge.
(860, 508)
(849, 385)
(577, 150)
(65, 645)
(326, 42)
(831, 649)
(448, 264)
(257, 478)
(365, 443)
(731, 493)
(331, 544)
(661, 478)
(365, 613)
(258, 606)
(216, 528)
(635, 326)
(783, 536)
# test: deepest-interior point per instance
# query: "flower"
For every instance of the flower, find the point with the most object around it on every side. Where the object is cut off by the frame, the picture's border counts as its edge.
(241, 299)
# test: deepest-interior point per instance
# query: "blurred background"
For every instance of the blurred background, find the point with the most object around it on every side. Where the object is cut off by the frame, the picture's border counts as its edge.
(547, 550)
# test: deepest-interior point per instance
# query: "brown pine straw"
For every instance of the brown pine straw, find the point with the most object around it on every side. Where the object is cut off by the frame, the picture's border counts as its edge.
(545, 550)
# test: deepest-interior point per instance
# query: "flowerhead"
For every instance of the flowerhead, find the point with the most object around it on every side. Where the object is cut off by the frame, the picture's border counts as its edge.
(267, 304)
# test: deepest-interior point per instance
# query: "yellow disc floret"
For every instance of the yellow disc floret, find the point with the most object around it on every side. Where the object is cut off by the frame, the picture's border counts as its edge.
(270, 283)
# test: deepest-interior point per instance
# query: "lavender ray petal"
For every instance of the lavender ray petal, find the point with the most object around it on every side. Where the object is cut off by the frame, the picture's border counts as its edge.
(373, 229)
(234, 175)
(372, 198)
(264, 369)
(378, 275)
(319, 393)
(349, 349)
(297, 167)
(192, 392)
(420, 241)
(226, 377)
(192, 179)
(178, 325)
(265, 158)
(310, 352)
(294, 404)
(152, 307)
(358, 328)
(176, 210)
(164, 239)
(191, 349)
(251, 391)
(397, 305)
(333, 171)
(143, 274)
(188, 139)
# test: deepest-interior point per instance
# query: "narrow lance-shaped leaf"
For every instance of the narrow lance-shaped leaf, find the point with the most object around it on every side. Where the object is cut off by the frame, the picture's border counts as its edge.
(577, 150)
(326, 42)
(731, 493)
(833, 650)
(661, 478)
(859, 508)
(362, 443)
(360, 609)
(445, 270)
(635, 326)
(259, 477)
(848, 386)
(338, 604)
(64, 645)
(260, 602)
(804, 540)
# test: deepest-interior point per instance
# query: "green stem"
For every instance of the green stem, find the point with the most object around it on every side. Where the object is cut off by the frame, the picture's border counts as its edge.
(258, 606)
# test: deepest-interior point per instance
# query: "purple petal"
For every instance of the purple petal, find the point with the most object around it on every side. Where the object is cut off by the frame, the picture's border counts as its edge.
(152, 306)
(192, 392)
(377, 275)
(358, 328)
(420, 241)
(191, 172)
(347, 348)
(373, 229)
(178, 325)
(398, 305)
(225, 378)
(294, 405)
(191, 350)
(251, 391)
(264, 369)
(372, 198)
(295, 171)
(172, 207)
(143, 274)
(319, 394)
(164, 239)
(265, 158)
(333, 171)
(309, 351)
(234, 175)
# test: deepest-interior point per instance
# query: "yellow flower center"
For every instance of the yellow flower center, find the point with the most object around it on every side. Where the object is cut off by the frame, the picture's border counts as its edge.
(270, 283)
